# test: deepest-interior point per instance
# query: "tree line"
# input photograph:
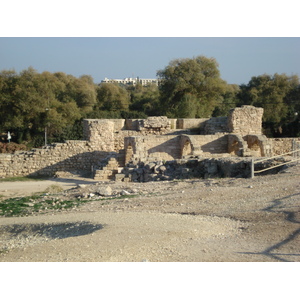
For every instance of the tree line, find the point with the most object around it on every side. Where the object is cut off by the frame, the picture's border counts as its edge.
(32, 102)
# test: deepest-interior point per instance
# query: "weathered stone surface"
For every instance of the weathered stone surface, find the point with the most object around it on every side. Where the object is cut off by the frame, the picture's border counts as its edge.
(215, 125)
(156, 122)
(245, 120)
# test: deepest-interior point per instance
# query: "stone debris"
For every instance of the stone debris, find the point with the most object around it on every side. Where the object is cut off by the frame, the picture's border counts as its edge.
(104, 191)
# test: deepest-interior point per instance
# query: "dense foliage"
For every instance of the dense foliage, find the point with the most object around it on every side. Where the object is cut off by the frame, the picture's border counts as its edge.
(32, 103)
(191, 88)
(279, 95)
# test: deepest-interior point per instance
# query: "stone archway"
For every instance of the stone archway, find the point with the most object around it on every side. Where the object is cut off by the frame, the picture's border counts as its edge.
(236, 145)
(259, 145)
(187, 147)
(255, 148)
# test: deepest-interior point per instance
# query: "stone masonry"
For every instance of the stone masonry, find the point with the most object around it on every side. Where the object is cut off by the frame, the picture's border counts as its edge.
(68, 156)
(110, 144)
(245, 120)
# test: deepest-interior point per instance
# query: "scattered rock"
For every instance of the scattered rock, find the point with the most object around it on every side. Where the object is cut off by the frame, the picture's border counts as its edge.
(81, 186)
(124, 192)
(104, 191)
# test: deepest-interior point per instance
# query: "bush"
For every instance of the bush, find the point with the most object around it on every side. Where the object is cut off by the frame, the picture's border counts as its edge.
(11, 147)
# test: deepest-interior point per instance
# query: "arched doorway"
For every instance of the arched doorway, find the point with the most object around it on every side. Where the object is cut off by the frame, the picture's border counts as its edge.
(187, 148)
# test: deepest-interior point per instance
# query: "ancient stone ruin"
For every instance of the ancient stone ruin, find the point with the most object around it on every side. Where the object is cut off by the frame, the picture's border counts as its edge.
(156, 148)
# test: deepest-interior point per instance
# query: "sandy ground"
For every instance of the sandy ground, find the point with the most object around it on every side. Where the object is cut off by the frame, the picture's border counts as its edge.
(212, 220)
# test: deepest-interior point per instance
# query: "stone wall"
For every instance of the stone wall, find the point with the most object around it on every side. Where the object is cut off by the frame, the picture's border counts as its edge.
(215, 125)
(204, 145)
(245, 120)
(119, 124)
(169, 147)
(236, 145)
(156, 124)
(282, 145)
(68, 156)
(141, 148)
(191, 123)
(132, 124)
(156, 139)
(186, 169)
(100, 133)
(258, 145)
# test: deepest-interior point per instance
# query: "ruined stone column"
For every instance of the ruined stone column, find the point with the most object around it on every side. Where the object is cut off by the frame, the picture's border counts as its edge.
(100, 133)
(245, 120)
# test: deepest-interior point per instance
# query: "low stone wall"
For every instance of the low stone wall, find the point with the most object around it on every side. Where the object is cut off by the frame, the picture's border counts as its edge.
(259, 145)
(282, 145)
(186, 169)
(169, 147)
(119, 124)
(132, 124)
(141, 148)
(212, 144)
(69, 156)
(216, 125)
(195, 168)
(190, 123)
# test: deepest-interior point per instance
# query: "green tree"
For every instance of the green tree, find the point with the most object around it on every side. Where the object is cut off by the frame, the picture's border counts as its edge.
(195, 81)
(276, 94)
(82, 90)
(144, 99)
(228, 101)
(8, 83)
(112, 97)
(30, 101)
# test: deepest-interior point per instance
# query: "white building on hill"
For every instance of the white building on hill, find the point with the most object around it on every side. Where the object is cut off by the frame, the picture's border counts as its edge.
(132, 81)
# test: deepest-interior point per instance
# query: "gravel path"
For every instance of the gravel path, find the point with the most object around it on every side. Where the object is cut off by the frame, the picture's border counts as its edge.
(230, 219)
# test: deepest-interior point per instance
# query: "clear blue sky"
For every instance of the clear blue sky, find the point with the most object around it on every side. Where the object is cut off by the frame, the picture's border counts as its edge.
(119, 57)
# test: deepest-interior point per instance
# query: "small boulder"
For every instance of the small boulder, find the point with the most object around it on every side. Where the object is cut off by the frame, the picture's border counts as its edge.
(104, 191)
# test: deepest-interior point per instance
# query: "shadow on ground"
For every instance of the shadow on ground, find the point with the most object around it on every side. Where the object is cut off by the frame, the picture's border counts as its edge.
(290, 216)
(52, 231)
(74, 181)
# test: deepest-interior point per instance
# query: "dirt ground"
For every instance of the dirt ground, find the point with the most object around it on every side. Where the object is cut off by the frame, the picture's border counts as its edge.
(199, 220)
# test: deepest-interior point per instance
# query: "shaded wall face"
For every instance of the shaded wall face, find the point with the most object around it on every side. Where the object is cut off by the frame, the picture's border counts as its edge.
(170, 147)
(214, 144)
(152, 148)
(236, 145)
(259, 145)
(186, 149)
(190, 123)
(69, 156)
(165, 148)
